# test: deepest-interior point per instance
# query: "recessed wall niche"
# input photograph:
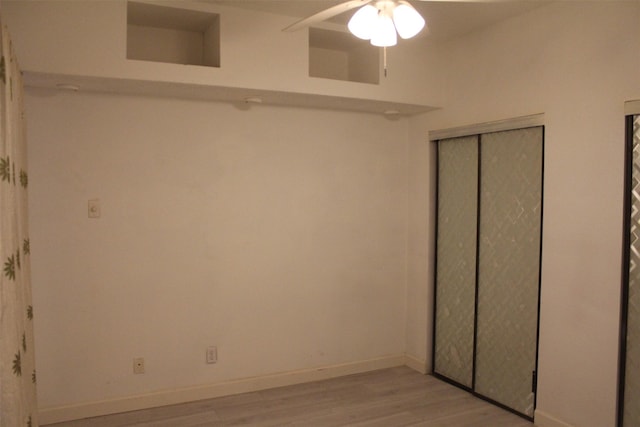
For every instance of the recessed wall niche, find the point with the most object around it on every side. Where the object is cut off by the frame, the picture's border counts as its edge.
(172, 35)
(341, 56)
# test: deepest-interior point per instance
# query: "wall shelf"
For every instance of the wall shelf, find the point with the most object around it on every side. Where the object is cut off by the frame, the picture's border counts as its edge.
(340, 56)
(168, 34)
(205, 51)
(235, 95)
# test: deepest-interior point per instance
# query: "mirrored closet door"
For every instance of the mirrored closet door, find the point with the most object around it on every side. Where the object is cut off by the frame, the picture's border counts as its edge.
(488, 246)
(629, 390)
(456, 258)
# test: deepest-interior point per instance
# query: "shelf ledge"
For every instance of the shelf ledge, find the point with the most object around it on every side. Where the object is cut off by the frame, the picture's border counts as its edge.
(235, 95)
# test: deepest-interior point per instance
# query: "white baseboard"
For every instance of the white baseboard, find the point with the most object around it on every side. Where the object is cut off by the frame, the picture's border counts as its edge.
(543, 419)
(209, 391)
(416, 364)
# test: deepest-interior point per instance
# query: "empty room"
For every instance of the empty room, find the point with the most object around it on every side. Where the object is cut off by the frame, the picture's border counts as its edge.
(237, 212)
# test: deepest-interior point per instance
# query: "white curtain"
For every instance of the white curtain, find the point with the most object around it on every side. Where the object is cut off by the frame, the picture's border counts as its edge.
(18, 405)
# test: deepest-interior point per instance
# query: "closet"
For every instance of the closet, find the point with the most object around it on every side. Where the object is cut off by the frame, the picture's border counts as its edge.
(629, 385)
(488, 251)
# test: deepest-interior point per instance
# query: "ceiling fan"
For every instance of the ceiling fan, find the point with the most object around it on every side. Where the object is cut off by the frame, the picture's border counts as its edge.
(379, 21)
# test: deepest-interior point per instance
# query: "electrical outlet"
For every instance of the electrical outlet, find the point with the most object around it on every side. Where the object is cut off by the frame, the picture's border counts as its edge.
(138, 365)
(212, 354)
(94, 208)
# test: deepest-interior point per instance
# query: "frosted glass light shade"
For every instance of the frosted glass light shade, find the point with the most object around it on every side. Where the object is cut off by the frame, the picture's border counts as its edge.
(407, 20)
(384, 33)
(363, 23)
(380, 20)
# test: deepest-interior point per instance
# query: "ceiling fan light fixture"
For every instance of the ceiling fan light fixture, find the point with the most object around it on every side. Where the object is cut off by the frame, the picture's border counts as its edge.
(363, 22)
(407, 20)
(381, 21)
(384, 33)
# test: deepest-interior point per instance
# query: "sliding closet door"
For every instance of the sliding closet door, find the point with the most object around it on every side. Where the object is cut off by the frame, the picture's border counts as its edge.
(631, 342)
(456, 258)
(488, 247)
(509, 266)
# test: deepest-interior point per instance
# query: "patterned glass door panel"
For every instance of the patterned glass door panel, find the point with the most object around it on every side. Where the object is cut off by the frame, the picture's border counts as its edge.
(631, 415)
(509, 269)
(456, 258)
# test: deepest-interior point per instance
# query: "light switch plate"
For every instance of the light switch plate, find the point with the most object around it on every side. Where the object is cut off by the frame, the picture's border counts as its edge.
(212, 355)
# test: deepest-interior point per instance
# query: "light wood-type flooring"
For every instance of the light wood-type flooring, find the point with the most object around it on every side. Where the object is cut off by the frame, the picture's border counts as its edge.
(386, 398)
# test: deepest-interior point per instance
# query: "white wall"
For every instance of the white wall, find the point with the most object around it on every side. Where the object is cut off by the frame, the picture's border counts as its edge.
(277, 234)
(257, 229)
(576, 62)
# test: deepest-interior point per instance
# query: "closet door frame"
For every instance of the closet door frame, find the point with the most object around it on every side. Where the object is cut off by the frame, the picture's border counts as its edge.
(626, 260)
(480, 130)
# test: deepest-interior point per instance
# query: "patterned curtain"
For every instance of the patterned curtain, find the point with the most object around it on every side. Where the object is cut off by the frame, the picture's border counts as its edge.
(18, 405)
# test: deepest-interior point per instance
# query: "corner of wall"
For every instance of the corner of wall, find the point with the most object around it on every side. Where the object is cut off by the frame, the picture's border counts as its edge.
(542, 419)
(416, 364)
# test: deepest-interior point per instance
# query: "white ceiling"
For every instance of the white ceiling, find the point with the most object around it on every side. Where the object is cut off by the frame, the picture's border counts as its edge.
(445, 19)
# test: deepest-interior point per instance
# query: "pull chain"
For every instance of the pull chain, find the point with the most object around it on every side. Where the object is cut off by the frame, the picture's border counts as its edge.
(384, 60)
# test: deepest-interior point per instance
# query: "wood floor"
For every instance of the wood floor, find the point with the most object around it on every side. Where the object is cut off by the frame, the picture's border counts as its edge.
(386, 398)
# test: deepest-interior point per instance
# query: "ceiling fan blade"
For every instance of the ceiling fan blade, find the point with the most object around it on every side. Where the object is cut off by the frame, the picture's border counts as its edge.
(326, 14)
(474, 1)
